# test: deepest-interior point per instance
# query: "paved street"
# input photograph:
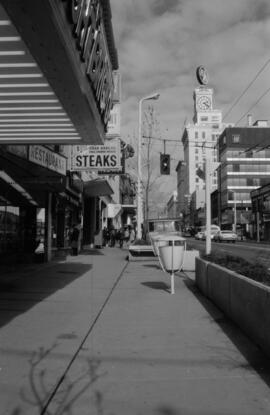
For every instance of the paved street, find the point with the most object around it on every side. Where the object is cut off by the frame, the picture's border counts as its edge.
(97, 335)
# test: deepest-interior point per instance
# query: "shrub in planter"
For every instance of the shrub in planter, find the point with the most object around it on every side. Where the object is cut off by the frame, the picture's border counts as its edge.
(256, 271)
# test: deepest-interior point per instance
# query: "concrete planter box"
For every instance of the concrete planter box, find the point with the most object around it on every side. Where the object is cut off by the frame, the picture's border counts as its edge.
(189, 260)
(141, 253)
(243, 300)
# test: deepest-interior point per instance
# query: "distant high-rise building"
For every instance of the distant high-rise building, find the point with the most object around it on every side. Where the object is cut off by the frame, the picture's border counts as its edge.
(244, 156)
(199, 140)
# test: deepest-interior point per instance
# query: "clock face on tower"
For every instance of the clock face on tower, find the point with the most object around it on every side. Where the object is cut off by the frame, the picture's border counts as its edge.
(204, 103)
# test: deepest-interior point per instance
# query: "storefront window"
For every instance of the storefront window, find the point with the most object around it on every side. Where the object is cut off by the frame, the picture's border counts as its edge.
(9, 229)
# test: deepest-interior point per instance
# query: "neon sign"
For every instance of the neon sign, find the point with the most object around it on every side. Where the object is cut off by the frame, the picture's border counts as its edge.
(86, 16)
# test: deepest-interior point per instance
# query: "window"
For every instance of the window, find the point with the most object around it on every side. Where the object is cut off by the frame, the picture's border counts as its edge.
(236, 138)
(196, 134)
(213, 137)
(196, 150)
(236, 167)
(203, 134)
(204, 119)
(224, 140)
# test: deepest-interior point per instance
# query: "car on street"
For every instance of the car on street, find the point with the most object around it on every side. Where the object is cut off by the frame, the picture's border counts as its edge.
(225, 236)
(212, 235)
(199, 236)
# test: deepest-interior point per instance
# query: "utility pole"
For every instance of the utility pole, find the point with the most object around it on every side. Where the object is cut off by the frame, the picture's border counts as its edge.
(235, 212)
(208, 204)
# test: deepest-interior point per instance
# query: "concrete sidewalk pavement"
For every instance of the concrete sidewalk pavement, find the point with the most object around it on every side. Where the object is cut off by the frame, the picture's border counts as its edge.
(156, 353)
(116, 342)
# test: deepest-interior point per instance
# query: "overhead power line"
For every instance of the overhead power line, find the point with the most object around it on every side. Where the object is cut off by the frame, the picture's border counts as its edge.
(247, 88)
(254, 105)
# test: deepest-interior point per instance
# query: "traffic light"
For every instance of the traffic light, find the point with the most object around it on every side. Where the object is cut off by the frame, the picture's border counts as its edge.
(164, 163)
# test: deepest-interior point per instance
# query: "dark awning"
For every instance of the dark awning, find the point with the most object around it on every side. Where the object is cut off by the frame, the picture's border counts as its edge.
(97, 187)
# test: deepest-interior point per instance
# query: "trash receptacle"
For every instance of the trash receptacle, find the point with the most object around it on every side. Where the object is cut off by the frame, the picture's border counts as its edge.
(171, 251)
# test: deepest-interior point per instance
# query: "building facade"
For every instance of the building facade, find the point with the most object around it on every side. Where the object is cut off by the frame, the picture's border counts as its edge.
(172, 206)
(260, 199)
(244, 166)
(199, 142)
(57, 91)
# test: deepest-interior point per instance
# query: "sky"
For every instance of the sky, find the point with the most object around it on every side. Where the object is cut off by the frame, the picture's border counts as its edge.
(160, 44)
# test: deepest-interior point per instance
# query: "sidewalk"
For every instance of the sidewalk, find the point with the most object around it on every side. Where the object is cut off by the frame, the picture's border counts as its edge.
(143, 350)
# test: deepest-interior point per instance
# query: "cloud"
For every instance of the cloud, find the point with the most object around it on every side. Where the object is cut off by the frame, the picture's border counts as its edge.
(161, 42)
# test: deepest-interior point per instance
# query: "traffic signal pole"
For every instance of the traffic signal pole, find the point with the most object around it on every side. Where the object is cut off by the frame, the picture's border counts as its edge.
(208, 205)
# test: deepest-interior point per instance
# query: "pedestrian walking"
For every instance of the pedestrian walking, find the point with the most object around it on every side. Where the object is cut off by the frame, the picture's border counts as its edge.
(120, 237)
(126, 235)
(132, 235)
(112, 237)
(105, 236)
(74, 239)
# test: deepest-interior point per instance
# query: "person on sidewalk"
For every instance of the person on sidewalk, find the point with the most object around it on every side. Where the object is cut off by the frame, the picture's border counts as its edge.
(126, 236)
(132, 235)
(74, 240)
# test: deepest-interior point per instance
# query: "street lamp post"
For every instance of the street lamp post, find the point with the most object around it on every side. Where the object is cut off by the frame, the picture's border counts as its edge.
(208, 206)
(139, 182)
(234, 212)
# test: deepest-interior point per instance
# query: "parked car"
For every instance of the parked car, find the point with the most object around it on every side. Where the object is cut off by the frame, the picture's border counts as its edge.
(213, 233)
(199, 236)
(225, 236)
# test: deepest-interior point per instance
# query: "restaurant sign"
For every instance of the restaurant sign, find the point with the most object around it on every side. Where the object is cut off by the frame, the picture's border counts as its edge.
(46, 158)
(96, 157)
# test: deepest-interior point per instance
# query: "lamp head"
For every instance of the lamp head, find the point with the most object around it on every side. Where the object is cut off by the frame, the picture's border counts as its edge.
(154, 96)
(150, 97)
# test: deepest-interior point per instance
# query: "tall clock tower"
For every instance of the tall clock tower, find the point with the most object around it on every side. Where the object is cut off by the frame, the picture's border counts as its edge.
(199, 142)
(203, 102)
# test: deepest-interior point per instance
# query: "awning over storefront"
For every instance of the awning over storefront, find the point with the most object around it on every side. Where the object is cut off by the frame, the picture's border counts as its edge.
(49, 90)
(12, 193)
(114, 209)
(33, 178)
(97, 187)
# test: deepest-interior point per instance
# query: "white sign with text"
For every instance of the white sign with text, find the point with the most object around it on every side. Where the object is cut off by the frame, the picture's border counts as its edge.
(96, 157)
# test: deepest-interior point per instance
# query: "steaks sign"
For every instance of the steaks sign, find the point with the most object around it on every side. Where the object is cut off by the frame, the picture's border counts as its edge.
(96, 157)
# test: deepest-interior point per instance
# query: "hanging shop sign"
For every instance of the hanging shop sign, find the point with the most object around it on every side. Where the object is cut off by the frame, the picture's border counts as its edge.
(88, 29)
(46, 158)
(101, 157)
(119, 171)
